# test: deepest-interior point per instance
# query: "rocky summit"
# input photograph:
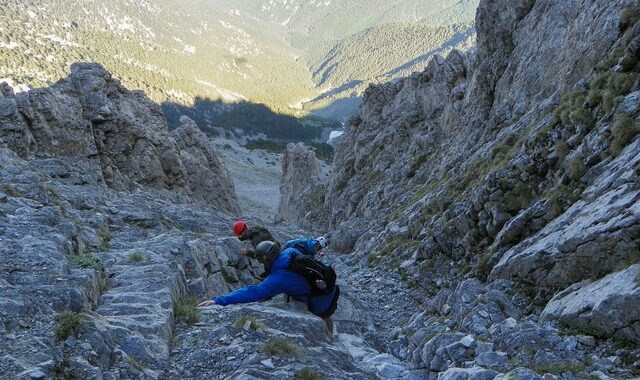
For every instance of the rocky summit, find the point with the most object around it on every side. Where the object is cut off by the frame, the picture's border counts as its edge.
(483, 215)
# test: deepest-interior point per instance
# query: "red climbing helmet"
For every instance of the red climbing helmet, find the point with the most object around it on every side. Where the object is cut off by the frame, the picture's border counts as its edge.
(239, 227)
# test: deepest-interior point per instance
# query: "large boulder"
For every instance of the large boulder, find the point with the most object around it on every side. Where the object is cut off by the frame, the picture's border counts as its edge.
(608, 306)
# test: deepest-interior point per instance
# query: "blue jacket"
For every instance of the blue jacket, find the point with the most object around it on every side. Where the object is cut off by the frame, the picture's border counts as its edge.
(305, 245)
(279, 281)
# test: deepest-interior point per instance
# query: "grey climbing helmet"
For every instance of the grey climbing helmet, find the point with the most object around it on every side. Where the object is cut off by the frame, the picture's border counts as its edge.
(267, 251)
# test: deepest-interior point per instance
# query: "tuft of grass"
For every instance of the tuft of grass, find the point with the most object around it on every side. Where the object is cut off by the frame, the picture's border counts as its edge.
(557, 368)
(308, 374)
(279, 347)
(608, 88)
(68, 322)
(624, 130)
(577, 169)
(629, 17)
(89, 261)
(373, 259)
(242, 320)
(562, 149)
(136, 257)
(484, 266)
(418, 162)
(105, 236)
(11, 190)
(135, 364)
(185, 311)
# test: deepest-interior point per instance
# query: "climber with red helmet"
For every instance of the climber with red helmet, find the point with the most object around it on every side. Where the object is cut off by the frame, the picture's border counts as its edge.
(256, 235)
(244, 231)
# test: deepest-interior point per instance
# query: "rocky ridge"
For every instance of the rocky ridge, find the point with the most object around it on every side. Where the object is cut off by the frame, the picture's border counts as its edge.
(120, 135)
(504, 183)
(302, 189)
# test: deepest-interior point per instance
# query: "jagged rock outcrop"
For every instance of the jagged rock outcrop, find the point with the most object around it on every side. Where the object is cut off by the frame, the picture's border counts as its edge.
(591, 238)
(120, 135)
(607, 306)
(208, 178)
(116, 262)
(517, 162)
(302, 188)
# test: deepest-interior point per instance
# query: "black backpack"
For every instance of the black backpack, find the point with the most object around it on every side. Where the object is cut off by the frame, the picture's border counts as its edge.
(315, 272)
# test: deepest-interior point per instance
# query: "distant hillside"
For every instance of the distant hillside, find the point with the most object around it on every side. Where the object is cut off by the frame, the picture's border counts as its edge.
(292, 56)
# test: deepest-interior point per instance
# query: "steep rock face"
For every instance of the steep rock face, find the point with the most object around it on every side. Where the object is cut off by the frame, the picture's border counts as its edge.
(591, 238)
(426, 161)
(208, 178)
(302, 188)
(118, 261)
(120, 134)
(518, 162)
(590, 304)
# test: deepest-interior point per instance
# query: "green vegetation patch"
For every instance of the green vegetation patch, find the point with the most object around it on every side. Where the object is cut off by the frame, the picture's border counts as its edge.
(308, 374)
(89, 261)
(629, 17)
(136, 257)
(185, 311)
(11, 190)
(67, 323)
(574, 367)
(279, 347)
(105, 235)
(624, 131)
(242, 320)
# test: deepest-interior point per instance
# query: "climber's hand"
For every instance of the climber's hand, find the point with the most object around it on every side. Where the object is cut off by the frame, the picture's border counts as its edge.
(242, 251)
(206, 303)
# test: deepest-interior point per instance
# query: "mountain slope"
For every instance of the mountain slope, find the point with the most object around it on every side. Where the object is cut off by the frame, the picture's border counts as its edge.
(171, 51)
(231, 51)
(504, 185)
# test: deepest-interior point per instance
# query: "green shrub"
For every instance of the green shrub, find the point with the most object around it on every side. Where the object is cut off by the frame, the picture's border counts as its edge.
(484, 266)
(558, 368)
(629, 17)
(136, 257)
(562, 149)
(11, 190)
(624, 130)
(373, 259)
(89, 261)
(308, 374)
(185, 311)
(608, 87)
(242, 320)
(68, 322)
(611, 60)
(135, 364)
(105, 235)
(279, 347)
(577, 169)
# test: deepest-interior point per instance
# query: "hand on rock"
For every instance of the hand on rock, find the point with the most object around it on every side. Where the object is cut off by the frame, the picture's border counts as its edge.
(242, 251)
(206, 303)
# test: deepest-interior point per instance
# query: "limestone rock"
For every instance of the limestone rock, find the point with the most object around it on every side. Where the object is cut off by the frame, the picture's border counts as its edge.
(607, 306)
(302, 188)
(208, 178)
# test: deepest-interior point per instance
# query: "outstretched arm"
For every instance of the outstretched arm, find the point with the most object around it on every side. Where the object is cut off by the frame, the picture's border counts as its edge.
(268, 288)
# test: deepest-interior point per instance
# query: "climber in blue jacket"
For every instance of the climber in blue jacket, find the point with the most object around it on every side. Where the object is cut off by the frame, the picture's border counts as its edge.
(282, 280)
